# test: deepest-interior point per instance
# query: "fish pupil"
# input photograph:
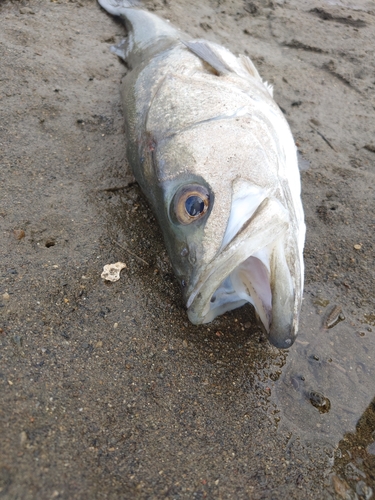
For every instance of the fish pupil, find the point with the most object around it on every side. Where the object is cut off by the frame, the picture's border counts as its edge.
(194, 205)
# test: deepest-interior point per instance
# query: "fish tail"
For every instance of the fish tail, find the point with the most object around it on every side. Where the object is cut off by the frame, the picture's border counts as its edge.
(146, 31)
(117, 7)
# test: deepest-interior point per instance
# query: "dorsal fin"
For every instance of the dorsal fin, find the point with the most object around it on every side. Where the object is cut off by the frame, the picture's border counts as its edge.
(224, 62)
(209, 53)
(248, 65)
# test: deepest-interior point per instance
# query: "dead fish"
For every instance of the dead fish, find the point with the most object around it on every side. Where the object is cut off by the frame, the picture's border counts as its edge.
(216, 159)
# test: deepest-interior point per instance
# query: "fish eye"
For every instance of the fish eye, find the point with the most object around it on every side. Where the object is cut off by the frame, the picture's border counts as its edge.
(191, 203)
(194, 205)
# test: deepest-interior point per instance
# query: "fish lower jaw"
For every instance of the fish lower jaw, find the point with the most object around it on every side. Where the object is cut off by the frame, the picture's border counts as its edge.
(262, 280)
(247, 283)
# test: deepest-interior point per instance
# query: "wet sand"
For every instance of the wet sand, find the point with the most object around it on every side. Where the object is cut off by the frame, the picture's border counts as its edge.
(107, 391)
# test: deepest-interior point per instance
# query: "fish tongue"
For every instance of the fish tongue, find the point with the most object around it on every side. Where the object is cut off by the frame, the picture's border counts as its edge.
(251, 282)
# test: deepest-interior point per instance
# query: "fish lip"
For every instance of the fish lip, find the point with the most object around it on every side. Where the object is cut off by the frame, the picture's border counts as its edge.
(267, 227)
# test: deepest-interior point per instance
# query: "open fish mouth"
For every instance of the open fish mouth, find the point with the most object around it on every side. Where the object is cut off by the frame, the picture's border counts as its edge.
(248, 282)
(252, 267)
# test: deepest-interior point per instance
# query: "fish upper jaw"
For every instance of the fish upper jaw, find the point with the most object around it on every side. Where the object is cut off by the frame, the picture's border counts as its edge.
(253, 268)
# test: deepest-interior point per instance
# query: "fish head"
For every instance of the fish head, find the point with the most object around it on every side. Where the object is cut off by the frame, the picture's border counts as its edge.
(230, 222)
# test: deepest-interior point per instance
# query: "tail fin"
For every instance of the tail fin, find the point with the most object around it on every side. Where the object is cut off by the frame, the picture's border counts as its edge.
(115, 7)
(147, 33)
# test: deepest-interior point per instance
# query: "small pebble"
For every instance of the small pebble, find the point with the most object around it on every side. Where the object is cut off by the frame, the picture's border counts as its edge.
(19, 234)
(363, 490)
(111, 272)
(320, 402)
(357, 247)
(26, 10)
(23, 438)
(321, 302)
(341, 486)
(6, 296)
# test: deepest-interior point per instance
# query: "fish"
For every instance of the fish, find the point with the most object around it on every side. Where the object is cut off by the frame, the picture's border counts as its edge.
(216, 159)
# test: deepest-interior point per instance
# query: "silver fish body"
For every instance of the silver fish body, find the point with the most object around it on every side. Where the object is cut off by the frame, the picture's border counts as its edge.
(217, 162)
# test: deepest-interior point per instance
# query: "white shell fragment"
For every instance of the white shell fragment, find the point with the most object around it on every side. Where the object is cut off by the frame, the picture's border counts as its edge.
(111, 272)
